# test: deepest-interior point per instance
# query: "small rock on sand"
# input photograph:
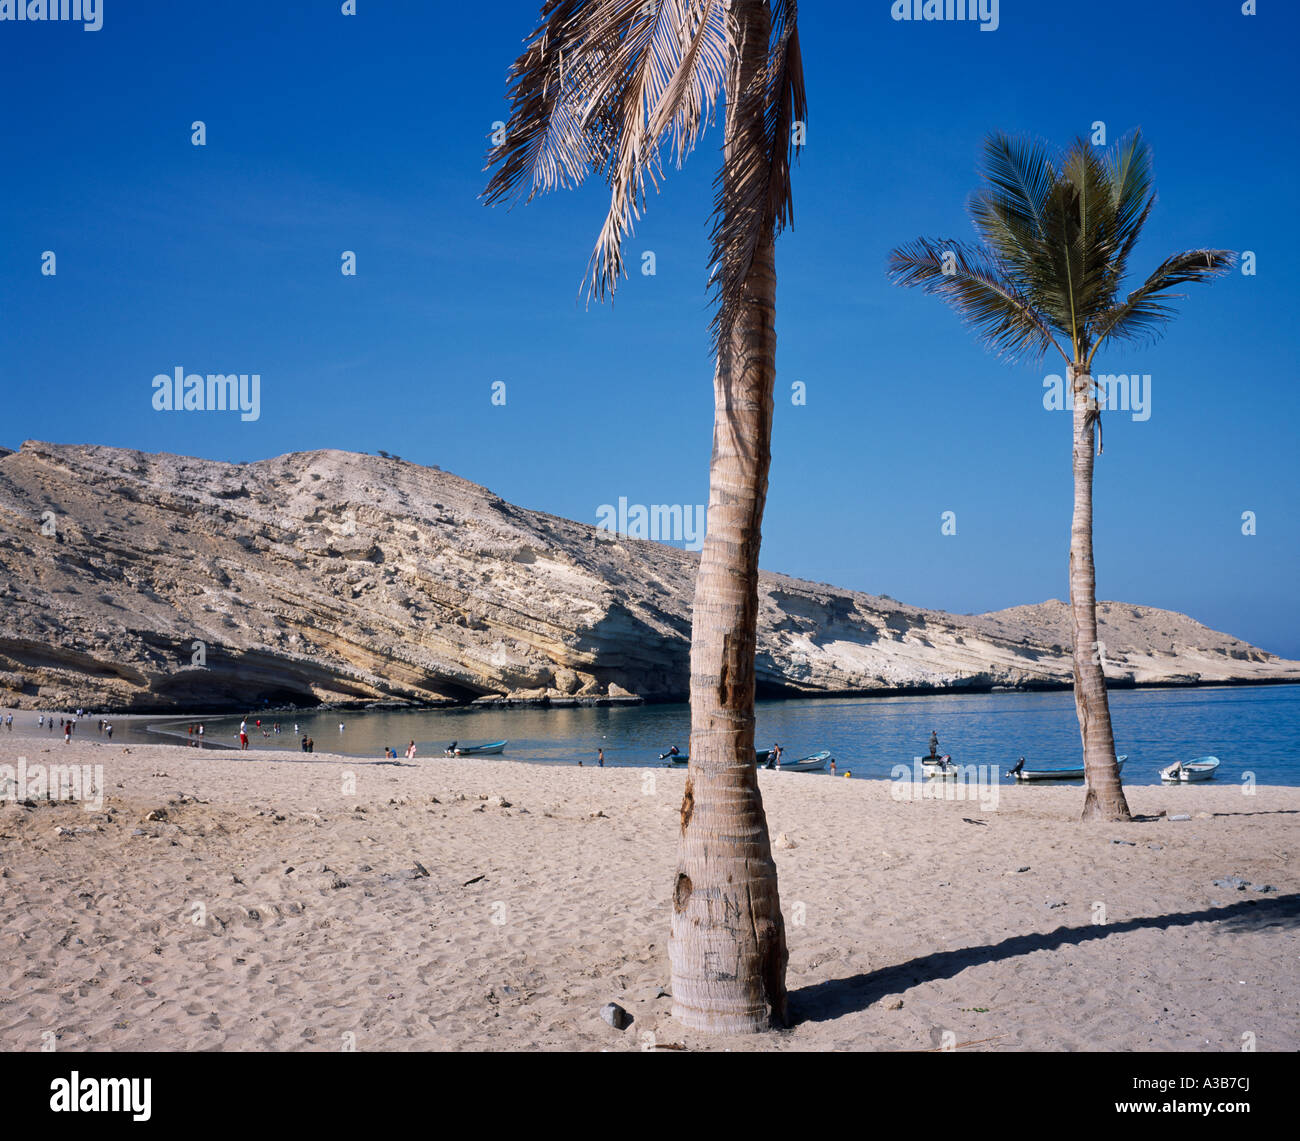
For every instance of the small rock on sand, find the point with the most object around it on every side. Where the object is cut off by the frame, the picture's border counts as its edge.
(783, 841)
(616, 1016)
(1238, 882)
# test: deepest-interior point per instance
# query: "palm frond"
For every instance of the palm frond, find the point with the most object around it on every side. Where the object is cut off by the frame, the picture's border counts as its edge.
(1088, 237)
(1010, 213)
(662, 85)
(752, 193)
(1147, 308)
(1133, 195)
(976, 285)
(545, 147)
(607, 85)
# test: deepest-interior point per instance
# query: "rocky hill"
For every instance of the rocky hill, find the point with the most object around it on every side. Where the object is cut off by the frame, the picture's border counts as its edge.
(148, 582)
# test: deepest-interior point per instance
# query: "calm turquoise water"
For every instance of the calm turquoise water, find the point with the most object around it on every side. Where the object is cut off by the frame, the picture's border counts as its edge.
(1248, 728)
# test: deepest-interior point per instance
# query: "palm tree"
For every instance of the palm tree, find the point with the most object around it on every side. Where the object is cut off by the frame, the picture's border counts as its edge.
(1055, 239)
(604, 85)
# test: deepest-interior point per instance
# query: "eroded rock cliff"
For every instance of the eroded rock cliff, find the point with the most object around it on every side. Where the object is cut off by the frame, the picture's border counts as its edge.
(135, 581)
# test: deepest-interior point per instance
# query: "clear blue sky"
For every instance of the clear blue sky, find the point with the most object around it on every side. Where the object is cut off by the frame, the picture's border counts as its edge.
(329, 133)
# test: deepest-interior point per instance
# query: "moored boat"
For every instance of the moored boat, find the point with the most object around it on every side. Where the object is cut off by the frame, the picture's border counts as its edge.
(807, 764)
(1073, 773)
(1180, 771)
(939, 767)
(494, 748)
(760, 755)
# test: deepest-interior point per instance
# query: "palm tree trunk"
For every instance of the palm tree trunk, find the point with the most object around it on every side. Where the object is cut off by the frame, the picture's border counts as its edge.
(1104, 799)
(727, 943)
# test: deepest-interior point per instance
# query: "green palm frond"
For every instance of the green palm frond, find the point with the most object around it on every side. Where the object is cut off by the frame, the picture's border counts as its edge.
(1133, 195)
(976, 285)
(1141, 315)
(1056, 237)
(1087, 235)
(1010, 213)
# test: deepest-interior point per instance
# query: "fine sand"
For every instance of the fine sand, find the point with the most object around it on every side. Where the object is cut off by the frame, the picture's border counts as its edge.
(277, 906)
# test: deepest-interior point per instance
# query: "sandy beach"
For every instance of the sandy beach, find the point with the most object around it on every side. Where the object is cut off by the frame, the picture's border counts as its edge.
(217, 900)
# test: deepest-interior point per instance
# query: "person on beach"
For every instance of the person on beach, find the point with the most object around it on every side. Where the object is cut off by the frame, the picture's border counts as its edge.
(303, 744)
(600, 757)
(410, 749)
(311, 745)
(934, 743)
(40, 722)
(51, 723)
(340, 726)
(243, 738)
(832, 766)
(200, 732)
(108, 729)
(67, 732)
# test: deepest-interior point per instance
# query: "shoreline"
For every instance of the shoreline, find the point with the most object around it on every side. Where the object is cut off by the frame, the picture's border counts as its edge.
(535, 703)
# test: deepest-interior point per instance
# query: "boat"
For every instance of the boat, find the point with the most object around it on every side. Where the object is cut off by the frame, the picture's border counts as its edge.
(806, 764)
(943, 760)
(495, 748)
(1200, 769)
(760, 755)
(937, 768)
(1058, 774)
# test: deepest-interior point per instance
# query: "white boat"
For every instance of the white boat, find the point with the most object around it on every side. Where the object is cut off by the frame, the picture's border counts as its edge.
(941, 761)
(1200, 769)
(1057, 774)
(493, 749)
(806, 764)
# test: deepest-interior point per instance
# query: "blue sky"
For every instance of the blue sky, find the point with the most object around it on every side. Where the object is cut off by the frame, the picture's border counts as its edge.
(367, 133)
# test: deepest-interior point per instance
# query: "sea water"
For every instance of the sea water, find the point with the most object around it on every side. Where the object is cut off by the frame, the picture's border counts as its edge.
(1251, 729)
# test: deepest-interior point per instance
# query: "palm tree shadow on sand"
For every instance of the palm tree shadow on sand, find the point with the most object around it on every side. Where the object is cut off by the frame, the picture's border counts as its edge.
(833, 998)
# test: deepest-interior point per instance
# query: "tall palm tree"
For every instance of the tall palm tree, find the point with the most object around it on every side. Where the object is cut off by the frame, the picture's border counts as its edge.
(1055, 234)
(604, 85)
